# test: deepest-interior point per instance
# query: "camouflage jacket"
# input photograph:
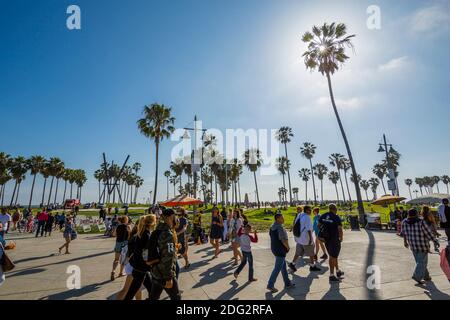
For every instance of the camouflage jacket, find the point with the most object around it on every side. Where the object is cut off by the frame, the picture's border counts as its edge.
(165, 269)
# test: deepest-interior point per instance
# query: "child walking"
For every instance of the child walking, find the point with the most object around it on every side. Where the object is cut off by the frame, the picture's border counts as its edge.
(246, 239)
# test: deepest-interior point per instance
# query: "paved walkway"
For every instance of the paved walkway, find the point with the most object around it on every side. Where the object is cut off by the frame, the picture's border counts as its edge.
(41, 273)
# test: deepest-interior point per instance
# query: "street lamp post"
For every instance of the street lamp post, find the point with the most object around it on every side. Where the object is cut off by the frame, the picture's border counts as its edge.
(392, 185)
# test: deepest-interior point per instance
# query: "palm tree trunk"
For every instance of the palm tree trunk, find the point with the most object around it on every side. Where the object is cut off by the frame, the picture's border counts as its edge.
(239, 189)
(421, 192)
(156, 171)
(14, 194)
(410, 195)
(284, 187)
(321, 190)
(256, 186)
(367, 197)
(342, 186)
(348, 189)
(167, 188)
(447, 188)
(56, 190)
(2, 193)
(337, 193)
(43, 191)
(313, 181)
(382, 183)
(31, 193)
(306, 192)
(289, 176)
(71, 188)
(437, 186)
(362, 216)
(64, 194)
(17, 194)
(50, 193)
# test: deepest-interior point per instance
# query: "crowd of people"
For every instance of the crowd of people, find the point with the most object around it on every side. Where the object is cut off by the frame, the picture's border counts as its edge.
(147, 251)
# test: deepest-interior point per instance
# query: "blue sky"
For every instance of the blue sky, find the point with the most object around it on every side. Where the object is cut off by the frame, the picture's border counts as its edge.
(236, 64)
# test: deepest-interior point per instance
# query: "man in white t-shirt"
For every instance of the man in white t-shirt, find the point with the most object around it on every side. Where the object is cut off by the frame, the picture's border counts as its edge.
(305, 243)
(5, 218)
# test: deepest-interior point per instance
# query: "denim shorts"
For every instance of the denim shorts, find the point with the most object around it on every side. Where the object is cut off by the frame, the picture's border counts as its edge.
(119, 246)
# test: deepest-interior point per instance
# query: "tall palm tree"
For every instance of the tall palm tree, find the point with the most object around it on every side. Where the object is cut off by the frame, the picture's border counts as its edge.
(326, 51)
(5, 164)
(284, 135)
(45, 172)
(308, 150)
(157, 124)
(177, 167)
(365, 185)
(337, 160)
(380, 170)
(98, 175)
(283, 166)
(436, 180)
(346, 166)
(4, 178)
(59, 174)
(305, 174)
(420, 183)
(80, 180)
(320, 170)
(252, 160)
(167, 175)
(66, 177)
(137, 184)
(409, 182)
(445, 180)
(55, 166)
(18, 169)
(334, 177)
(174, 180)
(35, 165)
(295, 191)
(374, 183)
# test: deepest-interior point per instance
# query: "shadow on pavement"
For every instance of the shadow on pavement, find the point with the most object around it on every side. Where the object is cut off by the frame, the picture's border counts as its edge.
(235, 289)
(70, 294)
(212, 274)
(34, 258)
(334, 293)
(370, 260)
(434, 293)
(27, 272)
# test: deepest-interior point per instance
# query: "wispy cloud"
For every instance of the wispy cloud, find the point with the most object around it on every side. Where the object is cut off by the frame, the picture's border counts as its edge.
(432, 20)
(396, 63)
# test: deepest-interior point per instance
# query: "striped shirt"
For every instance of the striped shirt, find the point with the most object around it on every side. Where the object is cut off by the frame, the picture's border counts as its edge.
(418, 234)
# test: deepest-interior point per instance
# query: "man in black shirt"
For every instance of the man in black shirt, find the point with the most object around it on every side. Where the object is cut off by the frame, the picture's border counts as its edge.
(444, 217)
(332, 227)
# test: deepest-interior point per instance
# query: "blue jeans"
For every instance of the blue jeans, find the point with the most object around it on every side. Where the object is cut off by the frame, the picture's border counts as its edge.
(246, 256)
(280, 265)
(421, 270)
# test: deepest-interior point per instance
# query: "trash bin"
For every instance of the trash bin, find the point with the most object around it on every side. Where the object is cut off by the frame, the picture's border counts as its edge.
(354, 222)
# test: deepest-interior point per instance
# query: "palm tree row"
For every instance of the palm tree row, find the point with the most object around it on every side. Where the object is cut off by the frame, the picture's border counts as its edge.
(16, 169)
(428, 183)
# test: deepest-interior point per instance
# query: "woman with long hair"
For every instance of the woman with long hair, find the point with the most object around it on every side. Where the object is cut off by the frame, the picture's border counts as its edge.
(122, 237)
(235, 226)
(138, 256)
(216, 231)
(428, 217)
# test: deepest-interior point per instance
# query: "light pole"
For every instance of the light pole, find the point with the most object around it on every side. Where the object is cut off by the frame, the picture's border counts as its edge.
(392, 184)
(195, 164)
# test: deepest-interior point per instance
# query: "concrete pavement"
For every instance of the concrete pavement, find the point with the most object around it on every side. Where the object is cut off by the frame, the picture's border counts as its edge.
(40, 272)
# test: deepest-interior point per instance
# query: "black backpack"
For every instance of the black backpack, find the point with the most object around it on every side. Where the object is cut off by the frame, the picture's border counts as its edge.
(296, 230)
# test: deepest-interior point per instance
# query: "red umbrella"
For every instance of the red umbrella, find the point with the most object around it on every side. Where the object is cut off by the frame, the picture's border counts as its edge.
(180, 201)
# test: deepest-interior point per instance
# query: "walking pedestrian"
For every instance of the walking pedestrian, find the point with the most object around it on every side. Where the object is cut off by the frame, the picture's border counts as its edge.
(122, 236)
(246, 239)
(444, 217)
(164, 271)
(216, 231)
(235, 225)
(417, 236)
(69, 234)
(319, 244)
(303, 234)
(279, 246)
(5, 220)
(330, 231)
(49, 224)
(182, 236)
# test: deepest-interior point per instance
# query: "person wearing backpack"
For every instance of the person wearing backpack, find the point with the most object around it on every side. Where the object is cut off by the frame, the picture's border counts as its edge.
(164, 271)
(140, 258)
(330, 232)
(303, 234)
(279, 246)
